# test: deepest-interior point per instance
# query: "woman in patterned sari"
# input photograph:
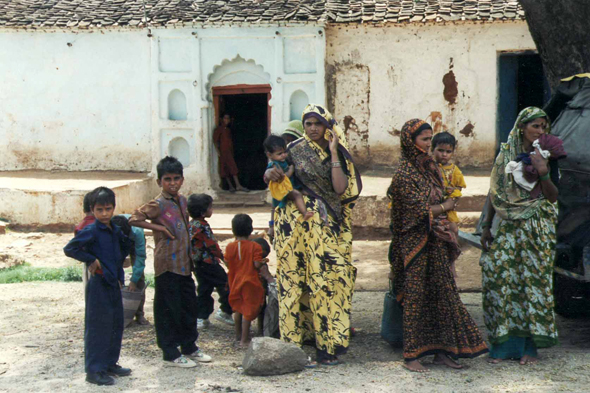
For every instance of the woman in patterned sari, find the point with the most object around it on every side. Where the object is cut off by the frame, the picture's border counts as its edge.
(315, 274)
(517, 265)
(423, 248)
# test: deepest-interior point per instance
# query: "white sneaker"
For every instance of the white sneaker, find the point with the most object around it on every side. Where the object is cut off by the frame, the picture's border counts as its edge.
(200, 357)
(224, 317)
(182, 362)
(203, 323)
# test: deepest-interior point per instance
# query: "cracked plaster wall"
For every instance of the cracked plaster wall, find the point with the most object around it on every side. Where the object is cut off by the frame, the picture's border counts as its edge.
(379, 77)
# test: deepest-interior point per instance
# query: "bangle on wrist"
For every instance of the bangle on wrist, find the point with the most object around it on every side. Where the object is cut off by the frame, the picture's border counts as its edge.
(271, 223)
(545, 177)
(336, 164)
(486, 224)
(442, 207)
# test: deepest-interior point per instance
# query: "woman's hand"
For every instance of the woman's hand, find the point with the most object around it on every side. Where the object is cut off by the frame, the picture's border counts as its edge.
(539, 163)
(275, 174)
(333, 142)
(450, 204)
(486, 239)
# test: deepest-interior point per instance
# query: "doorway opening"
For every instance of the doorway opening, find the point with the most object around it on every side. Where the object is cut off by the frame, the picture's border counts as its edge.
(250, 124)
(521, 83)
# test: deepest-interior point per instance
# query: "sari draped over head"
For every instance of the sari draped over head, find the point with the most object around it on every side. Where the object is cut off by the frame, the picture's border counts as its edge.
(509, 199)
(517, 270)
(421, 254)
(315, 275)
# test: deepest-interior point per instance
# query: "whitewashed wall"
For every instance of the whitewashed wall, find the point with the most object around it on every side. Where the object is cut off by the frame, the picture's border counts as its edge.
(384, 76)
(75, 102)
(121, 100)
(192, 61)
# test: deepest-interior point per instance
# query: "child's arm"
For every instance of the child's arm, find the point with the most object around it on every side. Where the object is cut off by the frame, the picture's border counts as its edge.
(76, 248)
(140, 256)
(290, 171)
(149, 211)
(265, 273)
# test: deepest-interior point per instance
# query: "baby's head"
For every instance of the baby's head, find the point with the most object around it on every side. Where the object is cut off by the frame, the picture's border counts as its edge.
(241, 225)
(275, 148)
(264, 244)
(443, 147)
(200, 206)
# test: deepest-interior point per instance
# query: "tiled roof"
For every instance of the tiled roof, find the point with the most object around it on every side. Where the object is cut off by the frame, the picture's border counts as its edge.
(132, 13)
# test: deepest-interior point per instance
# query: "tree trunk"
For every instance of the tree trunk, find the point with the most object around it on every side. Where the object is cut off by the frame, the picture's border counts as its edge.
(560, 29)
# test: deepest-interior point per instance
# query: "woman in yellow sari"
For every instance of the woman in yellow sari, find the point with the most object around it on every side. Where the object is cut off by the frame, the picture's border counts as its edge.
(315, 274)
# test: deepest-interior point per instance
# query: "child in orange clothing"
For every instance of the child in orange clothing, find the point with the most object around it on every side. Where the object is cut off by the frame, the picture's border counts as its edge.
(244, 258)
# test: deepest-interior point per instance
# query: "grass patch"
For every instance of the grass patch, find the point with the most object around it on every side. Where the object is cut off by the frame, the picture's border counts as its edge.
(28, 273)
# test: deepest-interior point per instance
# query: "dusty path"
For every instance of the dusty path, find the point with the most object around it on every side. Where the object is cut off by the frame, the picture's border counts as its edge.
(41, 350)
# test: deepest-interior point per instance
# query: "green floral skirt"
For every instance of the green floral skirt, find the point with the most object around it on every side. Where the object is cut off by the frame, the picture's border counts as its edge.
(517, 278)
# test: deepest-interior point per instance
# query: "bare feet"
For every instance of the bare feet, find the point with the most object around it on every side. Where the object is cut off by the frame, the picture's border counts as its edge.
(526, 359)
(242, 188)
(441, 359)
(416, 367)
(307, 215)
(494, 361)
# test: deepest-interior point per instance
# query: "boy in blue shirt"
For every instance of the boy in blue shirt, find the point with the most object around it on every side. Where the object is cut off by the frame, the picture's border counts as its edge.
(103, 248)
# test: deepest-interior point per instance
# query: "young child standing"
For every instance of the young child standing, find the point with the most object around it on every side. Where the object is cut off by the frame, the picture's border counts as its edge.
(137, 254)
(222, 139)
(87, 220)
(175, 298)
(206, 255)
(103, 248)
(443, 148)
(246, 293)
(276, 151)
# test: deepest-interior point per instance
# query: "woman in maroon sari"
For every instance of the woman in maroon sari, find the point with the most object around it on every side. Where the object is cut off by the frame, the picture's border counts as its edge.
(435, 321)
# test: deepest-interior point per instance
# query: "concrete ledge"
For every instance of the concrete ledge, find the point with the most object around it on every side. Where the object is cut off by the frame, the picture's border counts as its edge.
(53, 201)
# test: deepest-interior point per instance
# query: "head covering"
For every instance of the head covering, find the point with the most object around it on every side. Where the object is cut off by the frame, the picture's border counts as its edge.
(317, 178)
(294, 128)
(415, 155)
(511, 201)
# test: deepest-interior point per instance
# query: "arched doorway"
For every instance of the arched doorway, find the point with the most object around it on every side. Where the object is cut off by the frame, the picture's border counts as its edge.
(242, 89)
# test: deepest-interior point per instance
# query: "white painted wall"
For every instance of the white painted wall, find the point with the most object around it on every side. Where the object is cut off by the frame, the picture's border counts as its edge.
(384, 76)
(75, 101)
(195, 60)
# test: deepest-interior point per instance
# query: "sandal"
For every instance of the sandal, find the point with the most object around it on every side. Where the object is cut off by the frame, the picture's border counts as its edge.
(313, 364)
(333, 362)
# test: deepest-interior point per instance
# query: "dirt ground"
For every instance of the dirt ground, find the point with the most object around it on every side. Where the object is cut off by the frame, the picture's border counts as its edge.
(41, 346)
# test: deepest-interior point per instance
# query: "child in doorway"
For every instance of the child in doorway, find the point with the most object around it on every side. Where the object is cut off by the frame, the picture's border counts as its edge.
(276, 151)
(175, 299)
(206, 255)
(244, 259)
(103, 248)
(222, 139)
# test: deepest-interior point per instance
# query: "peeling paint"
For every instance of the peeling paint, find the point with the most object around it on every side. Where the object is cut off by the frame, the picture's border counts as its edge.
(467, 131)
(436, 122)
(450, 91)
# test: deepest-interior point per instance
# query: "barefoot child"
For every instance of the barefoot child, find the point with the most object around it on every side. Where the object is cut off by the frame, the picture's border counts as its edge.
(224, 145)
(103, 248)
(175, 299)
(244, 259)
(206, 254)
(283, 191)
(443, 148)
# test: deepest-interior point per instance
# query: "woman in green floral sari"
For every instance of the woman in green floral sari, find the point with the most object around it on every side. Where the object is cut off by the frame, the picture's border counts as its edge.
(517, 265)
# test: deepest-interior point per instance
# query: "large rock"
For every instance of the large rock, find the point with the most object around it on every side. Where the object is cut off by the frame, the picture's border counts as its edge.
(269, 356)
